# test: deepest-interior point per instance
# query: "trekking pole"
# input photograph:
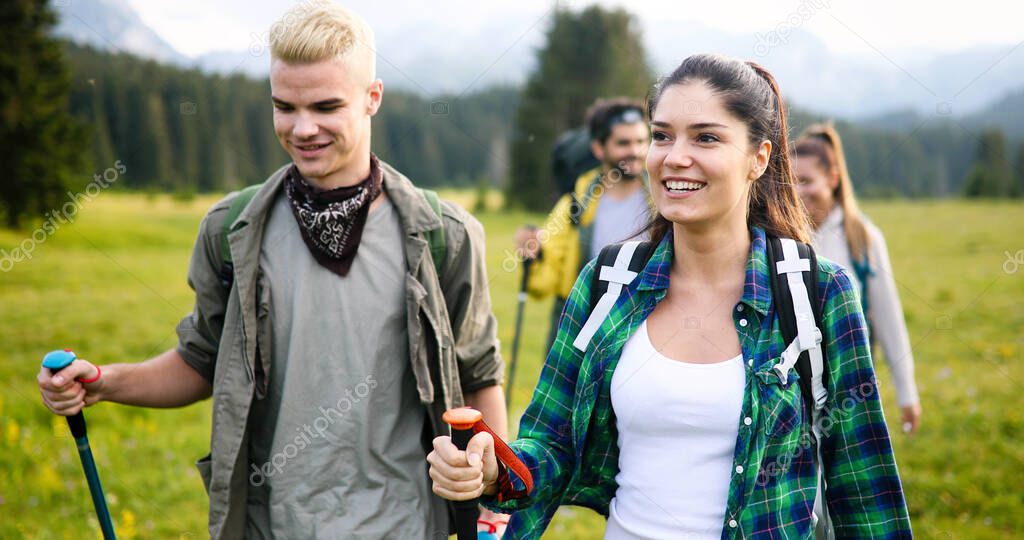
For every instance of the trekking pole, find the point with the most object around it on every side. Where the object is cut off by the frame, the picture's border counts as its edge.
(520, 307)
(56, 361)
(467, 513)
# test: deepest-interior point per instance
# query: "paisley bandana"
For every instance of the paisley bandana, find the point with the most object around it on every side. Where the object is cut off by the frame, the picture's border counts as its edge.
(331, 222)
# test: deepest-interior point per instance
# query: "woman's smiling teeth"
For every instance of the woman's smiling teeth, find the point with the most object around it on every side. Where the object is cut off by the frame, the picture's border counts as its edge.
(311, 147)
(683, 185)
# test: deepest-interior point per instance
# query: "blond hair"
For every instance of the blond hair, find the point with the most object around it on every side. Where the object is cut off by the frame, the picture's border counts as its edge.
(822, 141)
(317, 30)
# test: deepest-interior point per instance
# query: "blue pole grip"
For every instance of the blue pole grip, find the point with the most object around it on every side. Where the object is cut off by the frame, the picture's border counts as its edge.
(56, 361)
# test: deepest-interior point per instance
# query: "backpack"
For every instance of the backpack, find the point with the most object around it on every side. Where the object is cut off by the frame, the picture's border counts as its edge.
(571, 157)
(434, 237)
(793, 275)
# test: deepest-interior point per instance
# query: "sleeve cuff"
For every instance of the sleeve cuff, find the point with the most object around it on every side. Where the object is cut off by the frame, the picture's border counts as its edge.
(480, 385)
(510, 487)
(204, 369)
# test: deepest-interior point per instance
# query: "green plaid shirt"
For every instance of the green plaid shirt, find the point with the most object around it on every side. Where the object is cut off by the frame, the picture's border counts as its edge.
(568, 438)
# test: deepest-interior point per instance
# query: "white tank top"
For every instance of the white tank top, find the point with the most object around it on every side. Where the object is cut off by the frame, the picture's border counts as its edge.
(677, 423)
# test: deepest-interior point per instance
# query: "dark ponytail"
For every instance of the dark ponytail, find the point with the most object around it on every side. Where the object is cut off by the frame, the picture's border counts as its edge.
(775, 204)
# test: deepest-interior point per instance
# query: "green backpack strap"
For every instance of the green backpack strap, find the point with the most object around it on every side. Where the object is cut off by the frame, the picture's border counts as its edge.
(238, 204)
(435, 237)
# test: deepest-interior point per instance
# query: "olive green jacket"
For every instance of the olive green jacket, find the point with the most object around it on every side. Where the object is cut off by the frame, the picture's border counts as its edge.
(453, 345)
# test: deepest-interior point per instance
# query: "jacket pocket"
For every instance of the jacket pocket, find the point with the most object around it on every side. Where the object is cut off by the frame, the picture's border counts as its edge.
(781, 402)
(419, 353)
(205, 467)
(437, 354)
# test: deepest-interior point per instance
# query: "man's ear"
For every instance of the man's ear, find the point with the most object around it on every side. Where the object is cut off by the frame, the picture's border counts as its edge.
(375, 96)
(598, 149)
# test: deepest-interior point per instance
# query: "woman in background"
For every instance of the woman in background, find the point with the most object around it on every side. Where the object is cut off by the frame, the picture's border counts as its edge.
(844, 235)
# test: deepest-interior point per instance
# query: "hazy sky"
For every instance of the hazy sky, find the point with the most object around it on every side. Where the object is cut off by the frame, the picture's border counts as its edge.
(854, 27)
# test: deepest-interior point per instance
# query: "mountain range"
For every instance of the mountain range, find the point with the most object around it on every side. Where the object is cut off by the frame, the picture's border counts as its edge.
(975, 87)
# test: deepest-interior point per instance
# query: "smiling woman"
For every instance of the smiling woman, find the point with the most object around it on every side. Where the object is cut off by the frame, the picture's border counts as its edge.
(719, 447)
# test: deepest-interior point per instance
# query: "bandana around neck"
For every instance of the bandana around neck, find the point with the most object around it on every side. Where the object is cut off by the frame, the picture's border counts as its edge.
(331, 221)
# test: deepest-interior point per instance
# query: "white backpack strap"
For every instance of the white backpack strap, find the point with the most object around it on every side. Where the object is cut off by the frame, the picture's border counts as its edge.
(808, 334)
(808, 339)
(617, 277)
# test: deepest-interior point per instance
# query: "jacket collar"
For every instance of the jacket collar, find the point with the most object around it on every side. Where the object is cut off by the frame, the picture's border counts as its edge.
(261, 202)
(757, 290)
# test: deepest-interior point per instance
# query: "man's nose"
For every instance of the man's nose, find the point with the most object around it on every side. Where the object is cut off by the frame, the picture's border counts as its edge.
(304, 127)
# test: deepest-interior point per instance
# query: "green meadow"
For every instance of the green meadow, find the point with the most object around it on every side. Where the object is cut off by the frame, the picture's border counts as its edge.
(112, 286)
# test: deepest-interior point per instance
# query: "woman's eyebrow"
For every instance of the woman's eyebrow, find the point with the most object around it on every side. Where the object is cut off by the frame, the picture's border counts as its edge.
(697, 125)
(707, 125)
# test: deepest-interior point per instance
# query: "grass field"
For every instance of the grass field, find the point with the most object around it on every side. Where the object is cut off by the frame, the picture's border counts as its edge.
(112, 285)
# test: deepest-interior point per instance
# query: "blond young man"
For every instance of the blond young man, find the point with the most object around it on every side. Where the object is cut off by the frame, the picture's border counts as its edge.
(329, 340)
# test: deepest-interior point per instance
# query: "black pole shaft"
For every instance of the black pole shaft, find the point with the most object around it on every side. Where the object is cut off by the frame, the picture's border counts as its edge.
(466, 512)
(520, 308)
